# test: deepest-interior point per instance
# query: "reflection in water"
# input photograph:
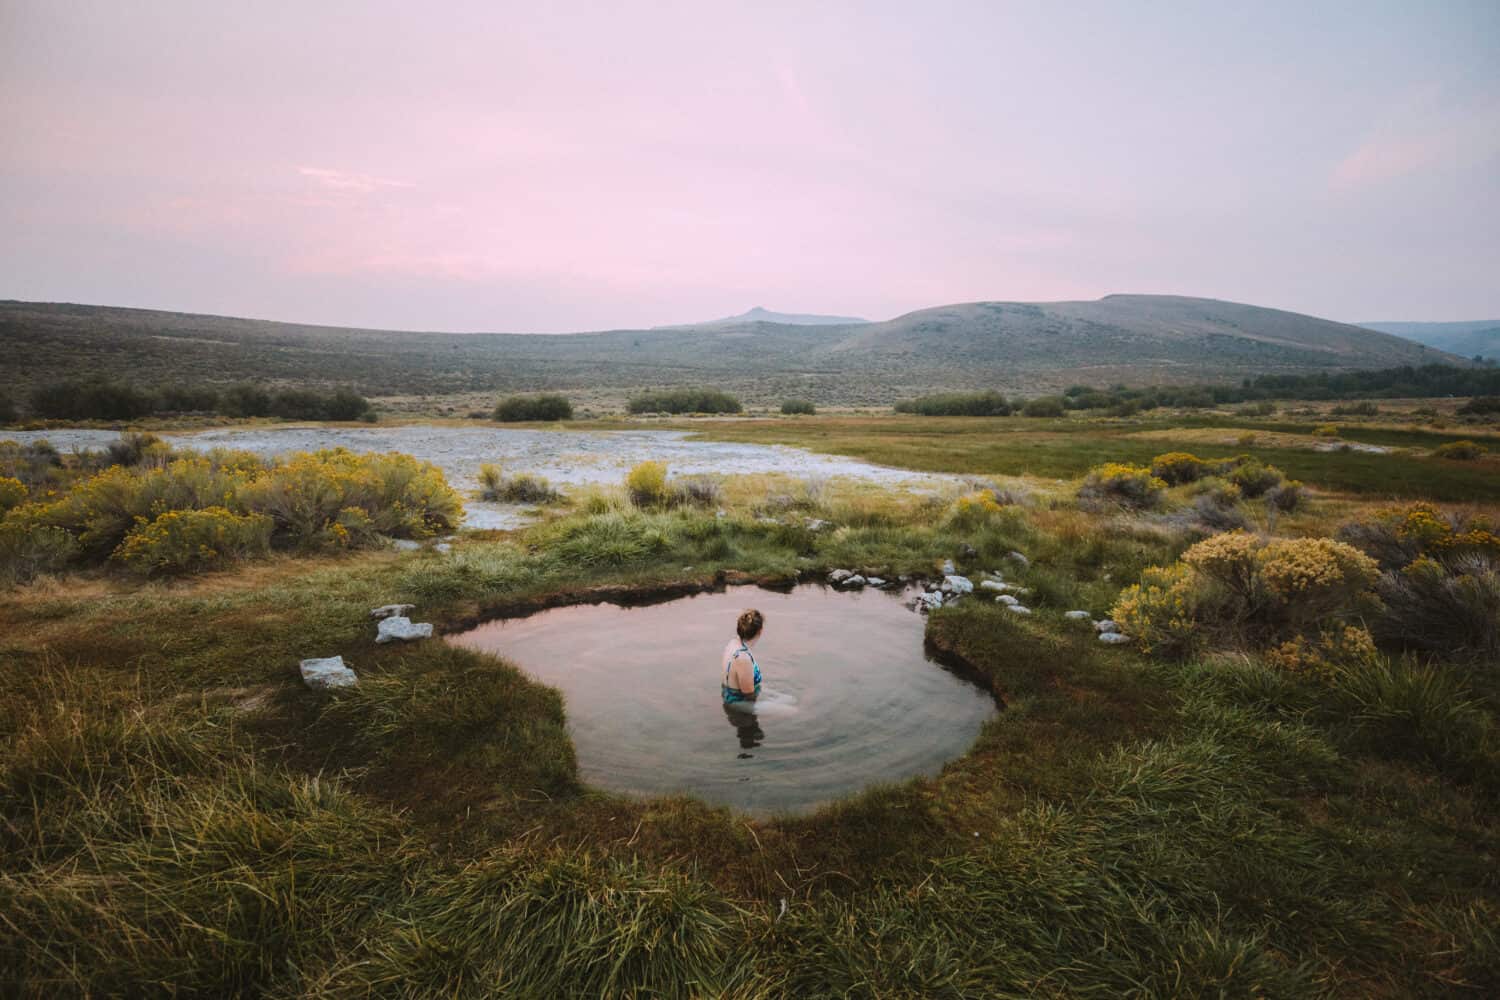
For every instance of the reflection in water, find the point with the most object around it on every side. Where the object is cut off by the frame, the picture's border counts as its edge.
(745, 722)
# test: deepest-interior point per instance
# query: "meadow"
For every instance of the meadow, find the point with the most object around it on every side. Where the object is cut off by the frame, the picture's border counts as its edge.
(1264, 808)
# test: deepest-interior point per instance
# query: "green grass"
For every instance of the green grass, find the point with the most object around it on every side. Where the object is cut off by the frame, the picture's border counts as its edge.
(178, 814)
(1068, 448)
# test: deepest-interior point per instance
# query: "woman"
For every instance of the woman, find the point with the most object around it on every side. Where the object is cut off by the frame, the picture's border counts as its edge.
(741, 672)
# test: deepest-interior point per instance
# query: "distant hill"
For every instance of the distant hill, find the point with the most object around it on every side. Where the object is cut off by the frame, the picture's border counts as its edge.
(1015, 347)
(1476, 338)
(758, 314)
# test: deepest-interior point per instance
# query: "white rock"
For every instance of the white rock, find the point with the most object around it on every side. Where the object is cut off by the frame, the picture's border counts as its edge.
(929, 602)
(995, 585)
(401, 627)
(405, 545)
(838, 576)
(1007, 600)
(855, 581)
(1106, 626)
(1114, 638)
(1018, 559)
(948, 568)
(1019, 609)
(876, 581)
(818, 524)
(958, 584)
(1077, 616)
(327, 672)
(387, 610)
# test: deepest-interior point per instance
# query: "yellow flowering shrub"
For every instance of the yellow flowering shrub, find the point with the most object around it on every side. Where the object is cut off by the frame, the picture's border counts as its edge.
(1315, 577)
(974, 508)
(647, 484)
(1160, 612)
(1177, 467)
(1326, 430)
(308, 494)
(1126, 485)
(12, 493)
(1237, 585)
(184, 541)
(1349, 646)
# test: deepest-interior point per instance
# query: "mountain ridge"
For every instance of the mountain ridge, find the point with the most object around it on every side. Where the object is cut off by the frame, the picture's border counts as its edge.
(1024, 347)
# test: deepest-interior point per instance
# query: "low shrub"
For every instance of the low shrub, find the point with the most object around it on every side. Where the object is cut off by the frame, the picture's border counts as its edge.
(1326, 430)
(521, 488)
(1043, 406)
(1286, 496)
(646, 484)
(1130, 486)
(1219, 512)
(802, 407)
(1460, 451)
(695, 491)
(548, 406)
(133, 448)
(1481, 405)
(957, 404)
(612, 539)
(12, 493)
(685, 401)
(1235, 585)
(1365, 409)
(1178, 467)
(974, 509)
(28, 549)
(1253, 477)
(307, 494)
(185, 541)
(1450, 606)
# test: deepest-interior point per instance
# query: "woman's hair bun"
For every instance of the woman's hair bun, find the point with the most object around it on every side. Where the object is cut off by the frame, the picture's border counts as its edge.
(750, 624)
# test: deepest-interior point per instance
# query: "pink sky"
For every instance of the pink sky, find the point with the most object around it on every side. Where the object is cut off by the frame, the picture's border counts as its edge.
(494, 166)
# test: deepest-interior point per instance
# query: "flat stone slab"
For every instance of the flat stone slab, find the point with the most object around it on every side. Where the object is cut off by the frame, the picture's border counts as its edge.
(1077, 615)
(1113, 638)
(325, 673)
(391, 610)
(400, 627)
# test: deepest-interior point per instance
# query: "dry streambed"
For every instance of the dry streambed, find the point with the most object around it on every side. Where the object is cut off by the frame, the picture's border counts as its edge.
(566, 458)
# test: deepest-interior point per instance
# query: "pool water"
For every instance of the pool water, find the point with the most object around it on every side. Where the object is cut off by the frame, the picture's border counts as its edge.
(849, 697)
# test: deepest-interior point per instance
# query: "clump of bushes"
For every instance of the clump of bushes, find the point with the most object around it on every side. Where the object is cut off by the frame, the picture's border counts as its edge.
(1480, 405)
(794, 407)
(1130, 486)
(187, 541)
(685, 401)
(137, 514)
(957, 404)
(1366, 409)
(1439, 580)
(521, 488)
(547, 406)
(1237, 586)
(1460, 451)
(646, 484)
(1326, 430)
(103, 399)
(973, 509)
(1043, 406)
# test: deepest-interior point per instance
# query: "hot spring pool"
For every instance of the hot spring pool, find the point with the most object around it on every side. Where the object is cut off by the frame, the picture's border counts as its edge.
(849, 697)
